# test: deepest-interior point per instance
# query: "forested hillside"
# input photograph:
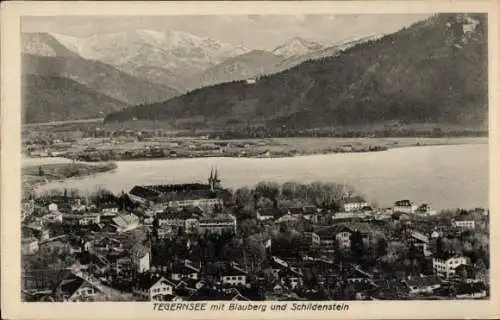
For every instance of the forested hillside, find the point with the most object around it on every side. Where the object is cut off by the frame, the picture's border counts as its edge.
(435, 71)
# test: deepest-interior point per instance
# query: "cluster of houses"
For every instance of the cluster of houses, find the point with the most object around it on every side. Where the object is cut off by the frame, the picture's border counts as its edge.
(108, 265)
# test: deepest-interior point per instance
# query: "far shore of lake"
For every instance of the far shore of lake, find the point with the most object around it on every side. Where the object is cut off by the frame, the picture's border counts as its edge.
(253, 148)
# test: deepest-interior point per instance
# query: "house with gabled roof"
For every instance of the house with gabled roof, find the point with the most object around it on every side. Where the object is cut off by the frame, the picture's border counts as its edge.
(423, 284)
(125, 222)
(74, 288)
(234, 275)
(292, 277)
(207, 293)
(184, 270)
(464, 222)
(353, 204)
(419, 240)
(152, 287)
(405, 206)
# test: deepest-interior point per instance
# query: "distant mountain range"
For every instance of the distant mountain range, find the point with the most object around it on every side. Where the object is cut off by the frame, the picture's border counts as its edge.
(297, 47)
(167, 58)
(258, 63)
(54, 59)
(434, 71)
(145, 66)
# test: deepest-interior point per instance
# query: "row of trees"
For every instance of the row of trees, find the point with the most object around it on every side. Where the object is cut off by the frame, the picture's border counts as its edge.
(281, 132)
(268, 195)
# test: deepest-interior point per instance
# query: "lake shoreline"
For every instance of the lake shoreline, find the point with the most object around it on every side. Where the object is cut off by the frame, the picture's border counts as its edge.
(285, 148)
(423, 174)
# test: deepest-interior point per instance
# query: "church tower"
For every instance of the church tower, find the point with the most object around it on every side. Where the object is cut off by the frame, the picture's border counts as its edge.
(211, 180)
(216, 179)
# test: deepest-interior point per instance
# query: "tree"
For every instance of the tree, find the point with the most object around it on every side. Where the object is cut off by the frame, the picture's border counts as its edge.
(270, 190)
(242, 197)
(74, 193)
(289, 190)
(348, 192)
(357, 245)
(41, 172)
(381, 247)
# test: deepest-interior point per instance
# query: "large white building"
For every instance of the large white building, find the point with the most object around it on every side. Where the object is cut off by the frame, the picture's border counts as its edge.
(405, 206)
(81, 219)
(464, 222)
(204, 196)
(446, 266)
(353, 204)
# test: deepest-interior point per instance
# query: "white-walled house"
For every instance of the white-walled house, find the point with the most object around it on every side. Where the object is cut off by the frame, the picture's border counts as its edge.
(53, 207)
(152, 287)
(423, 284)
(464, 222)
(183, 271)
(353, 204)
(445, 266)
(142, 262)
(234, 275)
(405, 206)
(74, 288)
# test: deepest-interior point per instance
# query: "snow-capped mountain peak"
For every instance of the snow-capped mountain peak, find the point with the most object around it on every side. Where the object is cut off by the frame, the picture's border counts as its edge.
(296, 47)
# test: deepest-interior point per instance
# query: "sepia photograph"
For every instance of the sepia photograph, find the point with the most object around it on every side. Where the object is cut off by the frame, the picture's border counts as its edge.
(313, 159)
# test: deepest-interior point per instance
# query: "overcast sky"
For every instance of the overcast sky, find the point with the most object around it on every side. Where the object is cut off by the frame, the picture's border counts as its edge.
(253, 31)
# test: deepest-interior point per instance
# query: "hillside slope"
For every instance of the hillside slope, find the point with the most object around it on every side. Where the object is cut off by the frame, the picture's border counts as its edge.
(435, 71)
(98, 76)
(55, 99)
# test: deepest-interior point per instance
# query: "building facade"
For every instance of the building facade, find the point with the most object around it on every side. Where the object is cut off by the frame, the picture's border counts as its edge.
(446, 267)
(405, 206)
(218, 224)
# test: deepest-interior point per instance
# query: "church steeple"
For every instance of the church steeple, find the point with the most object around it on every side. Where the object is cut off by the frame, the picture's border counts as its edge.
(213, 180)
(216, 179)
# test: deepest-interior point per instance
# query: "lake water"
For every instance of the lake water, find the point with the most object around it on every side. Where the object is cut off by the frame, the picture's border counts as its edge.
(451, 176)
